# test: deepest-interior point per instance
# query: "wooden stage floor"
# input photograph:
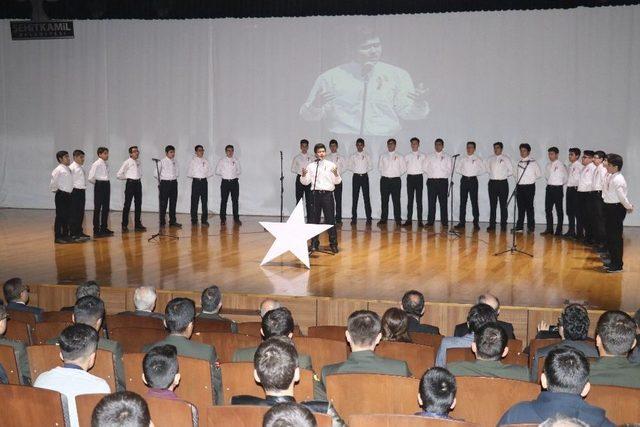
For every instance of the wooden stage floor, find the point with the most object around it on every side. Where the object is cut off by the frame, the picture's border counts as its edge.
(373, 263)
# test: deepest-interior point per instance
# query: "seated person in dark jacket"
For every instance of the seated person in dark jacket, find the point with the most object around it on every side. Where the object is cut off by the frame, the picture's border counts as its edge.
(276, 368)
(88, 288)
(144, 300)
(289, 414)
(19, 349)
(437, 393)
(413, 305)
(16, 294)
(211, 301)
(463, 329)
(160, 372)
(566, 381)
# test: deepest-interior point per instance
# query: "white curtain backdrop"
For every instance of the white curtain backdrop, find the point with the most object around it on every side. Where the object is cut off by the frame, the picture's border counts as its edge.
(560, 77)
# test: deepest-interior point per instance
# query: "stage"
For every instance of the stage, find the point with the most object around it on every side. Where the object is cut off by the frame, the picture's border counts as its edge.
(373, 263)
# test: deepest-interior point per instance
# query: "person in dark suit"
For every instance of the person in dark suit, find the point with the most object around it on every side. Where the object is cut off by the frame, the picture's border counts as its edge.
(413, 305)
(19, 349)
(437, 394)
(211, 301)
(144, 300)
(178, 318)
(90, 287)
(566, 382)
(463, 329)
(161, 372)
(17, 295)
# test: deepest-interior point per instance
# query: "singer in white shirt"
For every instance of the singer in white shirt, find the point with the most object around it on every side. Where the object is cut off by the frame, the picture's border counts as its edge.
(595, 199)
(131, 172)
(470, 167)
(228, 169)
(414, 161)
(392, 166)
(360, 164)
(499, 167)
(585, 186)
(437, 167)
(78, 196)
(300, 161)
(99, 177)
(575, 168)
(557, 175)
(341, 162)
(199, 172)
(322, 176)
(62, 184)
(168, 169)
(527, 173)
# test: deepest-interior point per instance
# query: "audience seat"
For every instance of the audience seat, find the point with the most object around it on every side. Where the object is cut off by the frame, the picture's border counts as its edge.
(335, 333)
(132, 363)
(245, 416)
(133, 339)
(44, 331)
(372, 393)
(394, 420)
(253, 329)
(19, 331)
(132, 321)
(536, 344)
(204, 325)
(57, 316)
(237, 379)
(226, 343)
(85, 404)
(493, 395)
(25, 406)
(426, 339)
(9, 363)
(23, 316)
(322, 351)
(419, 357)
(621, 403)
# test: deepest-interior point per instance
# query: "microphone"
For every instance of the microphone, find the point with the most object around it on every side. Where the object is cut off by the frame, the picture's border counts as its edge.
(456, 155)
(156, 160)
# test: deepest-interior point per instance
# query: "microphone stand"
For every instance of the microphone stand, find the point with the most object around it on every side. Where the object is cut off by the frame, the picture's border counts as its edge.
(313, 207)
(514, 247)
(452, 231)
(281, 188)
(160, 233)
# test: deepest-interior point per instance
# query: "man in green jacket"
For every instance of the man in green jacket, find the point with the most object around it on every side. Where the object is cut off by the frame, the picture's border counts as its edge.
(19, 349)
(211, 301)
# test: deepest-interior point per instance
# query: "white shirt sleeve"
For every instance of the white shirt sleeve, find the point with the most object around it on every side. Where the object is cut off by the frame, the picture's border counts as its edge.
(92, 173)
(53, 185)
(122, 172)
(307, 110)
(190, 169)
(219, 167)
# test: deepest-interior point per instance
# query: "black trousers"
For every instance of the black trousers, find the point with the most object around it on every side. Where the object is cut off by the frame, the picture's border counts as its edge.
(78, 197)
(498, 193)
(168, 195)
(469, 188)
(322, 204)
(337, 197)
(614, 214)
(572, 210)
(63, 214)
(101, 198)
(414, 187)
(437, 191)
(597, 216)
(303, 190)
(390, 187)
(132, 192)
(553, 198)
(584, 216)
(229, 186)
(360, 181)
(199, 193)
(525, 195)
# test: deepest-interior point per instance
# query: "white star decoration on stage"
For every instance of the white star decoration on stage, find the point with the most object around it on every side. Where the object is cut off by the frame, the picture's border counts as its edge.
(292, 235)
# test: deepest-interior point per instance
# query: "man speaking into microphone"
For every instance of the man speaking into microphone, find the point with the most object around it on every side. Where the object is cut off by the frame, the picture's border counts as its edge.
(323, 176)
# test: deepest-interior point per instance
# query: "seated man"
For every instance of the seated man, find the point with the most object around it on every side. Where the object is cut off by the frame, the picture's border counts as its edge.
(289, 415)
(615, 337)
(462, 329)
(160, 372)
(479, 315)
(16, 294)
(566, 381)
(211, 301)
(276, 369)
(413, 305)
(19, 349)
(78, 344)
(437, 393)
(144, 300)
(267, 305)
(490, 346)
(178, 318)
(90, 287)
(275, 323)
(124, 408)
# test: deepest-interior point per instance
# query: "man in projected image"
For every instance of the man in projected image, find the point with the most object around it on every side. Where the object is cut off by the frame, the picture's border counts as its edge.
(365, 96)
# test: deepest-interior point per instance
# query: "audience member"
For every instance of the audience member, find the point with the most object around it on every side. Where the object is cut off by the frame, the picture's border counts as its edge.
(462, 329)
(437, 393)
(211, 301)
(16, 294)
(490, 346)
(160, 372)
(395, 325)
(88, 288)
(268, 305)
(78, 344)
(413, 305)
(289, 415)
(144, 300)
(121, 409)
(479, 315)
(19, 348)
(566, 381)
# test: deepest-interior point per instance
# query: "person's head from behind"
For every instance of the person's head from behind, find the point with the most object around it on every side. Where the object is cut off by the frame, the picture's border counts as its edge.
(15, 291)
(275, 366)
(363, 330)
(144, 298)
(3, 320)
(289, 415)
(395, 325)
(267, 305)
(89, 311)
(566, 370)
(437, 391)
(78, 344)
(574, 323)
(160, 368)
(615, 334)
(491, 300)
(490, 342)
(179, 315)
(563, 421)
(413, 303)
(277, 323)
(121, 409)
(90, 287)
(479, 315)
(211, 300)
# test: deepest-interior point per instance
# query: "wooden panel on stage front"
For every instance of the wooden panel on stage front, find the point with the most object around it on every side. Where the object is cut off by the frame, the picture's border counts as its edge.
(115, 299)
(335, 311)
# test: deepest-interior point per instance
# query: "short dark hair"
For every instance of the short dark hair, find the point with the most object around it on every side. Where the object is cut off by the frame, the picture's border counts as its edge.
(124, 408)
(437, 390)
(439, 140)
(567, 370)
(472, 143)
(479, 315)
(363, 326)
(102, 150)
(304, 142)
(289, 415)
(615, 160)
(553, 150)
(319, 146)
(12, 289)
(210, 299)
(228, 146)
(333, 142)
(360, 141)
(179, 313)
(575, 150)
(498, 144)
(169, 148)
(617, 330)
(415, 138)
(525, 146)
(277, 322)
(600, 154)
(413, 303)
(395, 325)
(160, 366)
(131, 148)
(197, 147)
(575, 322)
(275, 362)
(392, 141)
(490, 341)
(77, 153)
(78, 341)
(90, 287)
(588, 153)
(88, 310)
(61, 154)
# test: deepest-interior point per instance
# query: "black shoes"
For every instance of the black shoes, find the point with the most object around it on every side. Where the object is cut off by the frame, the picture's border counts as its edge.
(569, 234)
(517, 230)
(125, 229)
(205, 223)
(459, 225)
(334, 249)
(546, 232)
(175, 225)
(491, 228)
(381, 223)
(238, 223)
(314, 247)
(140, 227)
(407, 223)
(476, 226)
(354, 222)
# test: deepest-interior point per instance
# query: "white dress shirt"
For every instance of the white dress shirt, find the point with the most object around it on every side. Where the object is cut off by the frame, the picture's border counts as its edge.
(61, 179)
(615, 190)
(301, 161)
(531, 173)
(414, 161)
(326, 179)
(470, 165)
(499, 167)
(437, 165)
(130, 169)
(586, 178)
(79, 177)
(199, 168)
(168, 169)
(99, 171)
(392, 165)
(360, 163)
(228, 168)
(575, 169)
(556, 173)
(339, 160)
(598, 177)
